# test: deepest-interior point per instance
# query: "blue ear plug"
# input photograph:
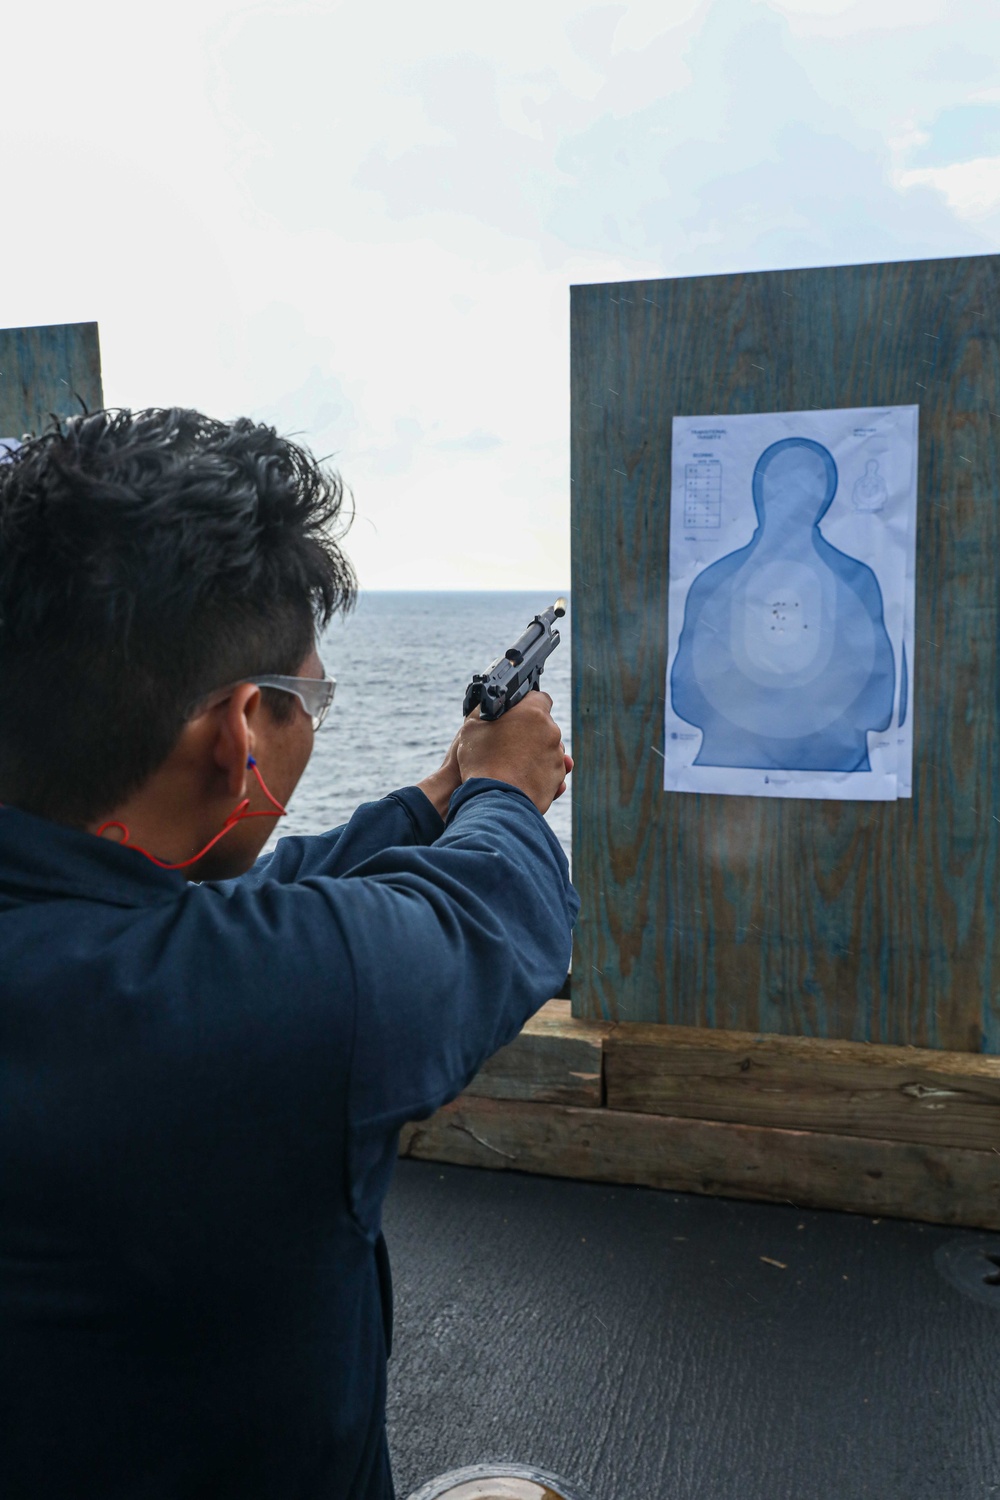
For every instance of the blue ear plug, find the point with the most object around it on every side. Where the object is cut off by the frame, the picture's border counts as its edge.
(251, 761)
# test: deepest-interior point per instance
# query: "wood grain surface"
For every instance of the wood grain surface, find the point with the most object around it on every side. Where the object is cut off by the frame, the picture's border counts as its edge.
(47, 371)
(916, 1094)
(801, 1083)
(553, 1060)
(939, 1184)
(864, 921)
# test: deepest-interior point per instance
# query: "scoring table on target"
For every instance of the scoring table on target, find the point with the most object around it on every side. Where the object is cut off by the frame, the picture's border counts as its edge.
(703, 494)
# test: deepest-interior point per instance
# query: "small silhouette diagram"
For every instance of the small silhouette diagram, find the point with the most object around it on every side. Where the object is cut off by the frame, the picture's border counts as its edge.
(784, 661)
(870, 492)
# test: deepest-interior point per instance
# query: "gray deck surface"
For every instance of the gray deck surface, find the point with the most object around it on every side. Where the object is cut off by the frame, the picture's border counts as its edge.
(635, 1342)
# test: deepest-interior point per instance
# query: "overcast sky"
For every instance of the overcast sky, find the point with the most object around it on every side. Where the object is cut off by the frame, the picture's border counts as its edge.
(360, 221)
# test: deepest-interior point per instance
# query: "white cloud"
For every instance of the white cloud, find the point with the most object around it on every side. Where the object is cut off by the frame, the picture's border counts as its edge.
(645, 21)
(853, 18)
(361, 220)
(970, 188)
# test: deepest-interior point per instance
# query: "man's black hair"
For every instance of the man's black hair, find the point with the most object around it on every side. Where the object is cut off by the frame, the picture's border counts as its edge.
(147, 558)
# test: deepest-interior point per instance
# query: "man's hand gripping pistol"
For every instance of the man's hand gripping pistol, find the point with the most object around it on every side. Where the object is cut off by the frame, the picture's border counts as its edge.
(507, 680)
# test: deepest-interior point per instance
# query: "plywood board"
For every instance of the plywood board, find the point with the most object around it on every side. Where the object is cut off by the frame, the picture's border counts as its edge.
(860, 921)
(46, 371)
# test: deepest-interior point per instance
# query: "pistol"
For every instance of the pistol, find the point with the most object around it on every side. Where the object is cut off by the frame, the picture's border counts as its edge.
(507, 679)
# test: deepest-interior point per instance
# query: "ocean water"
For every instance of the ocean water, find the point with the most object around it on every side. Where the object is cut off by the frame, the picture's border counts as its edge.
(402, 663)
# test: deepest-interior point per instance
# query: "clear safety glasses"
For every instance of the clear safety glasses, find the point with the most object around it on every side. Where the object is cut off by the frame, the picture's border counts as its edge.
(314, 693)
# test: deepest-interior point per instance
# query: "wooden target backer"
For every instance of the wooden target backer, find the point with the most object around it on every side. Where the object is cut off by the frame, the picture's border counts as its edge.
(863, 921)
(47, 371)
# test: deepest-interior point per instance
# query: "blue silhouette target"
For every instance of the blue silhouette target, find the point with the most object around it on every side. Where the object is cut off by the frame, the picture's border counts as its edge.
(784, 661)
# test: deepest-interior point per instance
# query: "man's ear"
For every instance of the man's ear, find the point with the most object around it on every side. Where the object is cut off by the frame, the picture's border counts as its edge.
(234, 742)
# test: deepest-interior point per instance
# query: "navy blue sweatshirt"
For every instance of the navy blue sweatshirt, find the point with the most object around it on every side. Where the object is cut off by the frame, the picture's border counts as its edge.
(201, 1092)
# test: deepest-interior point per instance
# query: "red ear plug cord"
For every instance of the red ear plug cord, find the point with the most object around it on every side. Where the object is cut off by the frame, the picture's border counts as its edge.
(237, 816)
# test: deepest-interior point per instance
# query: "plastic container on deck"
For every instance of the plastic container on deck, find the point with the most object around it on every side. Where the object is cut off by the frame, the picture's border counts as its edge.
(499, 1482)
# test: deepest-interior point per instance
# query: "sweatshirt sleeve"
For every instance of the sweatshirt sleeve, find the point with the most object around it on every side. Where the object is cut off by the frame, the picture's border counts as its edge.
(454, 948)
(418, 958)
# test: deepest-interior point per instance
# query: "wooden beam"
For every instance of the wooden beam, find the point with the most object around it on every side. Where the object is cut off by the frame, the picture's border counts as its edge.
(939, 1184)
(802, 1083)
(554, 1060)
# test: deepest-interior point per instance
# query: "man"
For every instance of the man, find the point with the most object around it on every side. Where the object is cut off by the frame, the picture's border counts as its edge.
(206, 1061)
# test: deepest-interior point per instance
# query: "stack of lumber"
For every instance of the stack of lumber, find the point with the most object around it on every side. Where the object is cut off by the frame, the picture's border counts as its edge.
(894, 1131)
